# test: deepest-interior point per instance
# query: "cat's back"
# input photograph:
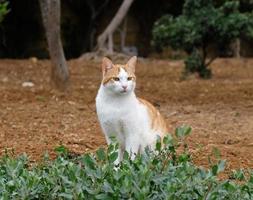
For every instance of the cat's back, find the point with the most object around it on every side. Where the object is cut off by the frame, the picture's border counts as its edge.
(157, 122)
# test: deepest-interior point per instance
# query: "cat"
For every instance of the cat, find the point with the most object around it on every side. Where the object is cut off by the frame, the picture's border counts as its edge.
(134, 122)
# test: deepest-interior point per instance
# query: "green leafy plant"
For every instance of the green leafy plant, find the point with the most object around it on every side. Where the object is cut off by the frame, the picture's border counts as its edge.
(165, 173)
(3, 9)
(201, 24)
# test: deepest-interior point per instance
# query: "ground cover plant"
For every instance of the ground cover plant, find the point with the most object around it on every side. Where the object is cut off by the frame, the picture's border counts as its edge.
(201, 24)
(164, 174)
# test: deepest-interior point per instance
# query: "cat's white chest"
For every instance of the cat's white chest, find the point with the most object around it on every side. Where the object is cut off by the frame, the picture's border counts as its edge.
(115, 115)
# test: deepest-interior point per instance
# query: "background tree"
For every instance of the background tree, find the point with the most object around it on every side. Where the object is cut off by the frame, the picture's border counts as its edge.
(50, 10)
(199, 25)
(3, 10)
(107, 35)
(96, 8)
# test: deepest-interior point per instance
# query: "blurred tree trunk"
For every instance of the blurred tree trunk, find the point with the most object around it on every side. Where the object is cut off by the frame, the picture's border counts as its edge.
(107, 35)
(123, 32)
(236, 48)
(91, 27)
(51, 12)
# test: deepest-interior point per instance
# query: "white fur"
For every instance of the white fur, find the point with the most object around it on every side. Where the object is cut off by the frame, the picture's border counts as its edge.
(122, 115)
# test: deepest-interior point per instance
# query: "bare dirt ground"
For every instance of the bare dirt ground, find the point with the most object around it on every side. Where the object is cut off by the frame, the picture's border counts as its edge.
(38, 119)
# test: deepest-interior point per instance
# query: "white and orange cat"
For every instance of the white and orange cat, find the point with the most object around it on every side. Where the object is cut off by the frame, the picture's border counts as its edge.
(134, 122)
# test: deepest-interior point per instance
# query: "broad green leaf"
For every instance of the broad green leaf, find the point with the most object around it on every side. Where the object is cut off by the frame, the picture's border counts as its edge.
(113, 156)
(101, 154)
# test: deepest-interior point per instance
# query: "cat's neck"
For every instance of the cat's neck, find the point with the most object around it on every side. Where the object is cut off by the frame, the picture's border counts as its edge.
(122, 99)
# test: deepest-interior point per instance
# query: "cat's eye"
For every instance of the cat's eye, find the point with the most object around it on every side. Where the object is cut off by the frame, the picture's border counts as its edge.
(115, 78)
(130, 78)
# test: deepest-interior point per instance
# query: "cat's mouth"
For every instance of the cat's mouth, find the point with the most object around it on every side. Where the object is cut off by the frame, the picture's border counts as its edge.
(123, 91)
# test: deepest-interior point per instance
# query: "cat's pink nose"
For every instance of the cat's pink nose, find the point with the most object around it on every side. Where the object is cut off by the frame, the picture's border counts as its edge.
(124, 87)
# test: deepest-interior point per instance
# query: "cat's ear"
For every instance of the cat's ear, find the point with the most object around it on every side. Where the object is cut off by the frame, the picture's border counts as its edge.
(131, 64)
(106, 65)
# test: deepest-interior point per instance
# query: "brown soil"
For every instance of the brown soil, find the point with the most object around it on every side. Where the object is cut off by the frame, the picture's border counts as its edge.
(220, 111)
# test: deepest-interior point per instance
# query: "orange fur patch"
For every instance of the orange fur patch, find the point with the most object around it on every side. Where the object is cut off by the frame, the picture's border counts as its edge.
(157, 121)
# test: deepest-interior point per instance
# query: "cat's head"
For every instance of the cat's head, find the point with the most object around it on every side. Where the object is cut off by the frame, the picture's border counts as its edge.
(119, 79)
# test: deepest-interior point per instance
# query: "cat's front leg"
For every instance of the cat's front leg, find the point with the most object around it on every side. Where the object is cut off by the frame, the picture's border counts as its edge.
(132, 147)
(121, 151)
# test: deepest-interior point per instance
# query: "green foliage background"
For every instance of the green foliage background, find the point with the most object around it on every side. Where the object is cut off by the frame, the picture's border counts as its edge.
(202, 23)
(3, 9)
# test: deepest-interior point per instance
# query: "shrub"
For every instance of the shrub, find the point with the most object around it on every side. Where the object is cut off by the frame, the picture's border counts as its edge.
(163, 174)
(3, 10)
(199, 25)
